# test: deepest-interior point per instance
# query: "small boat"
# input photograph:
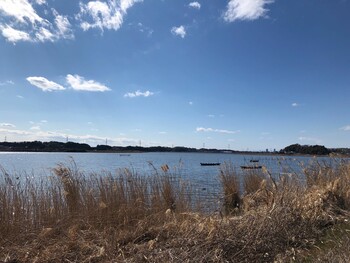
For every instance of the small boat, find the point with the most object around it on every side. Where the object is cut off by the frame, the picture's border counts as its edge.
(254, 161)
(248, 167)
(210, 164)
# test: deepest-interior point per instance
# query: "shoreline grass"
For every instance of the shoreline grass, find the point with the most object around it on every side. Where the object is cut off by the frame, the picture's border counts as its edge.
(127, 217)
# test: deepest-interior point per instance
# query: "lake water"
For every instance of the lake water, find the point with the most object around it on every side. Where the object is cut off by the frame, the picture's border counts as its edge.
(204, 180)
(185, 164)
(188, 164)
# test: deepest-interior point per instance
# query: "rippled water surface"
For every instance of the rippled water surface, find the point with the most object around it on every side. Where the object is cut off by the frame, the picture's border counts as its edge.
(203, 179)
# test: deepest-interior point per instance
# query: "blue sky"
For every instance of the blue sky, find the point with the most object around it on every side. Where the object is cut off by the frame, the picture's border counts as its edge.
(238, 74)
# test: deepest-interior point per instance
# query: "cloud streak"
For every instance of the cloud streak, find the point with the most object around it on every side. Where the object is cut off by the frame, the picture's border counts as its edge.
(345, 128)
(7, 125)
(245, 9)
(310, 139)
(7, 82)
(138, 93)
(201, 129)
(45, 84)
(35, 133)
(78, 83)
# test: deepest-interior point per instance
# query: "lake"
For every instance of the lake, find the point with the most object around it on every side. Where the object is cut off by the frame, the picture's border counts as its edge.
(204, 180)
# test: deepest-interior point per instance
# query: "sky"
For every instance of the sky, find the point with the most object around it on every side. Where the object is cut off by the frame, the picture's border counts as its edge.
(228, 74)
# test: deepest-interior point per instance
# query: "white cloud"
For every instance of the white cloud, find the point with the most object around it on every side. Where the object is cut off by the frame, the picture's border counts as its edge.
(179, 31)
(35, 128)
(37, 134)
(44, 84)
(63, 25)
(211, 116)
(245, 9)
(44, 34)
(21, 10)
(20, 97)
(16, 132)
(201, 129)
(190, 103)
(22, 23)
(195, 5)
(102, 15)
(40, 2)
(8, 125)
(79, 83)
(14, 35)
(138, 94)
(294, 104)
(345, 128)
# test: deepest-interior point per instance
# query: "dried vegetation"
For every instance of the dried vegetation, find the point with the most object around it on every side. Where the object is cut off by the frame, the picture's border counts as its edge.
(73, 217)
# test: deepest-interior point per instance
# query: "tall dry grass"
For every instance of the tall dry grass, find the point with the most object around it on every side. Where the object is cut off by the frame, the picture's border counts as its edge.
(74, 217)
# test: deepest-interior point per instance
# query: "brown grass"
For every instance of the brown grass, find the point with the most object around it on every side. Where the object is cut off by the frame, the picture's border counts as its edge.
(74, 217)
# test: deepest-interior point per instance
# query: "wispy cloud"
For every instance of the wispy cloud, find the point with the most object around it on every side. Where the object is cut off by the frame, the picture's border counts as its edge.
(201, 129)
(345, 128)
(104, 15)
(44, 84)
(80, 84)
(195, 5)
(7, 82)
(14, 35)
(294, 104)
(144, 29)
(190, 103)
(245, 9)
(179, 31)
(8, 125)
(138, 94)
(37, 134)
(310, 139)
(15, 132)
(22, 23)
(64, 27)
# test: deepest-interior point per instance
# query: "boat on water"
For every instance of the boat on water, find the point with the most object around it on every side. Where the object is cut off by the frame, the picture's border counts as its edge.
(254, 161)
(210, 164)
(250, 167)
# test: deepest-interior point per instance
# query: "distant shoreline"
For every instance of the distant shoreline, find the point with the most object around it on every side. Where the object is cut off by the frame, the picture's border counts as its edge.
(201, 152)
(73, 147)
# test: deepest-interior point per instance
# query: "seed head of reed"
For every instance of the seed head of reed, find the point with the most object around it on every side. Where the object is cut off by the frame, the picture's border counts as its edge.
(252, 181)
(231, 188)
(69, 177)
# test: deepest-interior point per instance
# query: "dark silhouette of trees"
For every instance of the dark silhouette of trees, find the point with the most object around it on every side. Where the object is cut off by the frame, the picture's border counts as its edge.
(306, 149)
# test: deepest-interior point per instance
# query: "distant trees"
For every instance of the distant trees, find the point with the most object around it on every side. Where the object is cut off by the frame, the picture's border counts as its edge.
(306, 149)
(37, 146)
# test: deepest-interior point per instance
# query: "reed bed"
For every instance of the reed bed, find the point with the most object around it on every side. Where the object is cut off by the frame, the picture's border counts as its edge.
(127, 217)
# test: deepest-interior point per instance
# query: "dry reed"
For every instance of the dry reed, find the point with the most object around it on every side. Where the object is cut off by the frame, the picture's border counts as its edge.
(74, 217)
